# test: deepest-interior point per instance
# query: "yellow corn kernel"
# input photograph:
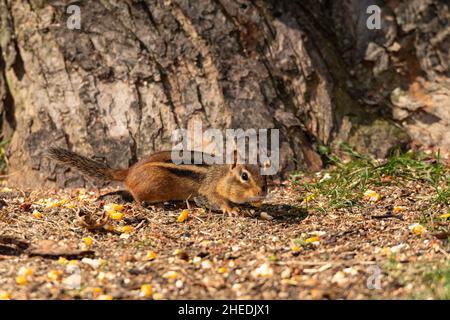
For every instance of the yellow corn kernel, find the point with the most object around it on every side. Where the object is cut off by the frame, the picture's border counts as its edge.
(308, 198)
(54, 275)
(21, 280)
(56, 203)
(371, 196)
(96, 291)
(417, 228)
(125, 229)
(296, 248)
(312, 239)
(113, 207)
(87, 241)
(4, 295)
(36, 214)
(157, 296)
(82, 196)
(109, 227)
(444, 216)
(26, 272)
(222, 270)
(104, 297)
(183, 216)
(170, 275)
(398, 209)
(115, 215)
(151, 255)
(63, 261)
(70, 205)
(177, 252)
(146, 290)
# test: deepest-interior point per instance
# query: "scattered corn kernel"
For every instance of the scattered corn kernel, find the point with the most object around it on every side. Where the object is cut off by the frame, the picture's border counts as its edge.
(63, 261)
(151, 255)
(170, 275)
(183, 216)
(177, 252)
(222, 270)
(398, 209)
(312, 239)
(157, 296)
(36, 214)
(55, 203)
(27, 272)
(371, 196)
(82, 196)
(146, 290)
(125, 229)
(308, 198)
(96, 291)
(113, 207)
(104, 297)
(21, 280)
(4, 295)
(54, 275)
(296, 248)
(115, 215)
(417, 228)
(87, 241)
(109, 227)
(445, 216)
(386, 251)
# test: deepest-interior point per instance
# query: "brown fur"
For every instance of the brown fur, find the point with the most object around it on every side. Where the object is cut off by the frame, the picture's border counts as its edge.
(156, 179)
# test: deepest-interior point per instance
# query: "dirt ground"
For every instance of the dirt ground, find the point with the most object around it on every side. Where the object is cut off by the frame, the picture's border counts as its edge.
(65, 244)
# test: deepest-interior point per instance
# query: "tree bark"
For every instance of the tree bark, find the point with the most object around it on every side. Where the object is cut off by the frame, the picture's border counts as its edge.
(137, 70)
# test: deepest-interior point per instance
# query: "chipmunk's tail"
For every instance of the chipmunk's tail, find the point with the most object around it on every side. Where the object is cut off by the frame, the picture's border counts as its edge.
(87, 166)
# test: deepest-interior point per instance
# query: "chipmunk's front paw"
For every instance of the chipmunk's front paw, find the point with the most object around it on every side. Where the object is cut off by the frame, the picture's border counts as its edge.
(232, 212)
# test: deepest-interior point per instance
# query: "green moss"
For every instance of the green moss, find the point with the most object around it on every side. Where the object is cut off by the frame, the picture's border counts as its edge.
(379, 137)
(3, 159)
(348, 180)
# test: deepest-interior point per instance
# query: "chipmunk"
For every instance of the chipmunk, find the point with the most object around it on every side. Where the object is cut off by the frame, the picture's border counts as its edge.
(157, 179)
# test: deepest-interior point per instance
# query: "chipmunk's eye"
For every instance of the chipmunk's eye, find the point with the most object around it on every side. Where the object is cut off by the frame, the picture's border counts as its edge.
(244, 176)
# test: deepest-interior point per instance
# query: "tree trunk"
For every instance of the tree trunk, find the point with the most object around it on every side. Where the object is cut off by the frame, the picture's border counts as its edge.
(137, 70)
